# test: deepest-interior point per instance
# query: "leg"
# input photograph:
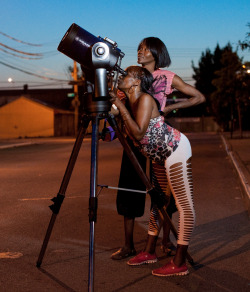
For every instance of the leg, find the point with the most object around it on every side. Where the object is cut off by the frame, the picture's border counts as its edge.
(129, 232)
(166, 233)
(183, 192)
(128, 249)
(179, 172)
(167, 245)
(130, 204)
(151, 244)
(158, 177)
(180, 256)
(148, 255)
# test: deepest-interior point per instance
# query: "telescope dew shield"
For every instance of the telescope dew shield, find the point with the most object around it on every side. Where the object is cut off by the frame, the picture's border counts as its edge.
(88, 50)
(77, 44)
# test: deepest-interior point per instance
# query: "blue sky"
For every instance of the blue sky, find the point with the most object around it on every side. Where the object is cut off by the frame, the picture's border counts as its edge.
(187, 28)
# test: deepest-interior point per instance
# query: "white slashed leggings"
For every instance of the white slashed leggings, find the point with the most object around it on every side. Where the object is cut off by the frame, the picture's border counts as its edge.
(179, 176)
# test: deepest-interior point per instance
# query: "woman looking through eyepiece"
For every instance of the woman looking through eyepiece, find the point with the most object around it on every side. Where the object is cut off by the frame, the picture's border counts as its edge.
(164, 145)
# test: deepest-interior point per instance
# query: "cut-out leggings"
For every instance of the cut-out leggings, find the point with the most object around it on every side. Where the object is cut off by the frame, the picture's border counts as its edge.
(179, 176)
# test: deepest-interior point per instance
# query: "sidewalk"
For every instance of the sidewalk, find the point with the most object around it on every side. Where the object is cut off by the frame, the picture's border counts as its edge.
(239, 152)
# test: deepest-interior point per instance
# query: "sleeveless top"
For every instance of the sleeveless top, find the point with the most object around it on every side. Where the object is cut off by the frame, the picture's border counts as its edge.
(160, 140)
(162, 85)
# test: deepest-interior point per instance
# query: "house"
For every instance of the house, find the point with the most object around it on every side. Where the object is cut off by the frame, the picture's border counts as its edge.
(26, 117)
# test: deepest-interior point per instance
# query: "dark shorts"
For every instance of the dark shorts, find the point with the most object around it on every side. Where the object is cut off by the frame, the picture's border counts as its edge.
(131, 204)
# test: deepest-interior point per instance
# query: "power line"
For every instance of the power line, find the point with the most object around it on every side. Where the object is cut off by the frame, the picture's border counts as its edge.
(21, 52)
(22, 57)
(29, 67)
(6, 35)
(35, 85)
(33, 74)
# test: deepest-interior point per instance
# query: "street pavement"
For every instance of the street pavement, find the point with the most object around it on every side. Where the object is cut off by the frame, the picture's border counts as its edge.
(31, 172)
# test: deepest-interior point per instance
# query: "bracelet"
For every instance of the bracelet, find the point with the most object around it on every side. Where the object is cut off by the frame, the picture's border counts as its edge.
(124, 115)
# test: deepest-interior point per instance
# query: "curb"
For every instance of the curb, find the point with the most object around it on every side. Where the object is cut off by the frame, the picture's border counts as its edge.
(5, 144)
(240, 171)
(16, 145)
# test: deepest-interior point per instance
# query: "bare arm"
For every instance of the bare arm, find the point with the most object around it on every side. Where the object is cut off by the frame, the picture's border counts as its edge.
(137, 127)
(196, 97)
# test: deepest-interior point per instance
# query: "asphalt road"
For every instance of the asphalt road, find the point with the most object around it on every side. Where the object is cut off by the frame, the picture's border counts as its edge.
(31, 175)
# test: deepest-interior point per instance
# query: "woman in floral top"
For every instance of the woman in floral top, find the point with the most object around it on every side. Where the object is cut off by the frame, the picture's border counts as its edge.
(164, 145)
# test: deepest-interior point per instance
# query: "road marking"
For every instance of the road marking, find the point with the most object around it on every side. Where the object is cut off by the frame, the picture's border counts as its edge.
(16, 145)
(38, 199)
(10, 255)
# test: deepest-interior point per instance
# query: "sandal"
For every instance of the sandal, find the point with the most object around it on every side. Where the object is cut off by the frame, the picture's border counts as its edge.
(123, 253)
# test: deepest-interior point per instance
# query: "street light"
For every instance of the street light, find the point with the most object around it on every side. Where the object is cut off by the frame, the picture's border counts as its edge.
(241, 76)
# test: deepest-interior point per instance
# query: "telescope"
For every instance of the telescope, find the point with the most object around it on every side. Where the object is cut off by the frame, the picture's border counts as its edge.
(100, 57)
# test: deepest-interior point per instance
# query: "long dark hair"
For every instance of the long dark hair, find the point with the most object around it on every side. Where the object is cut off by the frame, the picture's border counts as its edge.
(158, 50)
(146, 79)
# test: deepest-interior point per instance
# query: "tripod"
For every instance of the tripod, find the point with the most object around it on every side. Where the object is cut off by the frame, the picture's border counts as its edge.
(99, 56)
(156, 197)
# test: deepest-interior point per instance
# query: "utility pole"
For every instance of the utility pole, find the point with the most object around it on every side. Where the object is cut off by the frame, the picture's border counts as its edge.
(76, 102)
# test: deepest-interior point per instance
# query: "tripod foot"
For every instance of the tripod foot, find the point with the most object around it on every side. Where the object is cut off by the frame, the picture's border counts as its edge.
(192, 263)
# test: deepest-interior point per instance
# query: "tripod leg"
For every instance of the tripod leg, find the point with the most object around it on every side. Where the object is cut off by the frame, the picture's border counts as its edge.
(61, 194)
(158, 198)
(93, 199)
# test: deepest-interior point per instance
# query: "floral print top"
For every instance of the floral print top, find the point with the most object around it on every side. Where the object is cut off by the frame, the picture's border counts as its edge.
(160, 140)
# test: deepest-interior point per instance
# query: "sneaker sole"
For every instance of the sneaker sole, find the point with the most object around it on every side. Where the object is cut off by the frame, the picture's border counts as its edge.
(169, 275)
(142, 263)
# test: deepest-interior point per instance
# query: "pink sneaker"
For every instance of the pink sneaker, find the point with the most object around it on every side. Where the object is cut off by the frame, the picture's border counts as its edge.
(142, 258)
(170, 269)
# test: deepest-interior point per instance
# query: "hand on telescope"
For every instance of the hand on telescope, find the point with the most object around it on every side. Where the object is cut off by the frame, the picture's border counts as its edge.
(121, 95)
(114, 111)
(113, 98)
(118, 99)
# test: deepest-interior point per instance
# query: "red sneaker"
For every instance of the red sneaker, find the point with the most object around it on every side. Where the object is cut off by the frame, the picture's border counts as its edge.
(170, 269)
(143, 258)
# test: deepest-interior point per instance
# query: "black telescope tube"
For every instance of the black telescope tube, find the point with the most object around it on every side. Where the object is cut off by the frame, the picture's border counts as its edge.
(77, 44)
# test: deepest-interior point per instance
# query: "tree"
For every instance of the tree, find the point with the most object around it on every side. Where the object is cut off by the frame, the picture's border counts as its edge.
(243, 96)
(227, 85)
(246, 43)
(224, 81)
(204, 74)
